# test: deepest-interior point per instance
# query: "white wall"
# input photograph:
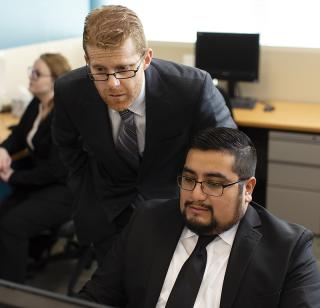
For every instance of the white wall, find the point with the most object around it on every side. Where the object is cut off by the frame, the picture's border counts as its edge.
(290, 74)
(14, 63)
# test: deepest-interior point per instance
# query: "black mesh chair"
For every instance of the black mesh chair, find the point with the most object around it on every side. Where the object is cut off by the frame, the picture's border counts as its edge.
(42, 252)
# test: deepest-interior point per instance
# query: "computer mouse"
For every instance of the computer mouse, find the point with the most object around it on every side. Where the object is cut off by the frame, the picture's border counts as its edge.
(268, 108)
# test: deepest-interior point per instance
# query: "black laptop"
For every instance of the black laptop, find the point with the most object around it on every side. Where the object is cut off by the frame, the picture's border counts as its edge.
(13, 295)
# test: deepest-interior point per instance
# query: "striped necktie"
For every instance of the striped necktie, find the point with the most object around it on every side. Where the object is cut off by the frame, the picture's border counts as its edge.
(127, 143)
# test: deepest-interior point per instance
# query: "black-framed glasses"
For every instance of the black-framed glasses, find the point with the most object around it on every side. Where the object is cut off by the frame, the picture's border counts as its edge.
(126, 74)
(35, 74)
(208, 187)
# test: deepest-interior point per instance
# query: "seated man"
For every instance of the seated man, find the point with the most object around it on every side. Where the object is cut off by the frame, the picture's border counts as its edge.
(217, 249)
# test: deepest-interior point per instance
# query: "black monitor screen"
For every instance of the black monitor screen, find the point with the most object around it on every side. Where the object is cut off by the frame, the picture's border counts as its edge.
(228, 56)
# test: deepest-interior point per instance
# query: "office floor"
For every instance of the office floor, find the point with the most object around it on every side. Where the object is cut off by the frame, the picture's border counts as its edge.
(54, 277)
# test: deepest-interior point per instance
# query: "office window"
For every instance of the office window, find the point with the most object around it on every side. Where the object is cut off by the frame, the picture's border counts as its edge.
(290, 23)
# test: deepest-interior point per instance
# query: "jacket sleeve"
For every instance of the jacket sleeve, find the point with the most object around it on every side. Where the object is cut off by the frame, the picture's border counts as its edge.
(302, 284)
(212, 109)
(67, 138)
(16, 141)
(45, 171)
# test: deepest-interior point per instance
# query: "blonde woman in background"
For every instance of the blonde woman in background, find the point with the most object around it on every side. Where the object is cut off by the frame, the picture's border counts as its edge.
(40, 198)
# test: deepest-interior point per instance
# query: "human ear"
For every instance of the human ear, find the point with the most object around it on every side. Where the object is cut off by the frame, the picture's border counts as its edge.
(86, 58)
(148, 58)
(249, 187)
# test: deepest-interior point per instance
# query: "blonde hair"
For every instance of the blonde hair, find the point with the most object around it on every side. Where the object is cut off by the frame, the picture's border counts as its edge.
(58, 65)
(109, 26)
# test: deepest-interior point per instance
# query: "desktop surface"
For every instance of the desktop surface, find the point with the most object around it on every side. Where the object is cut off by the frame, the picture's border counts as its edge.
(13, 295)
(288, 116)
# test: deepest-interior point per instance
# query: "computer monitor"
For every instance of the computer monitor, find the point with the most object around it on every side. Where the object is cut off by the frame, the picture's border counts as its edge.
(228, 56)
(13, 295)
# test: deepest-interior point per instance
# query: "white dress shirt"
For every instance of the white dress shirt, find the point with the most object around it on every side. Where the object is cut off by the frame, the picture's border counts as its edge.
(138, 107)
(218, 253)
(35, 127)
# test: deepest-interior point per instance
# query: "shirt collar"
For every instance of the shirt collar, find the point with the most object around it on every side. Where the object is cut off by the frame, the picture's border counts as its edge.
(227, 236)
(138, 106)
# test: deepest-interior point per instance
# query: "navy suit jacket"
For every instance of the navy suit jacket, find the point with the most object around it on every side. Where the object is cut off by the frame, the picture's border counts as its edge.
(270, 265)
(180, 101)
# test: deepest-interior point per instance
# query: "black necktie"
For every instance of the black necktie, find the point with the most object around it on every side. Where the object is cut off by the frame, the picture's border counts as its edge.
(127, 144)
(187, 285)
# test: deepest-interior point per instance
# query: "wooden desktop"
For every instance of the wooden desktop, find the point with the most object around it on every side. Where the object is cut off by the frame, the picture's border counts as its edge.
(287, 116)
(6, 120)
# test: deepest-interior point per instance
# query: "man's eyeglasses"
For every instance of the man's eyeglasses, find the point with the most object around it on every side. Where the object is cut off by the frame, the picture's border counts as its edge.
(126, 74)
(35, 74)
(208, 187)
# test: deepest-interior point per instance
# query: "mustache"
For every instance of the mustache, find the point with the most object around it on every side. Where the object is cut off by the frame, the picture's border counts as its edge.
(198, 204)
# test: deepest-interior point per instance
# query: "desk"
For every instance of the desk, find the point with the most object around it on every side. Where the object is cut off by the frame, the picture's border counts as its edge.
(6, 120)
(288, 147)
(298, 117)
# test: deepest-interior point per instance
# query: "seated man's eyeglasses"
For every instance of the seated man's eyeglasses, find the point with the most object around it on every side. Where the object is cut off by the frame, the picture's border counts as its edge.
(126, 74)
(208, 187)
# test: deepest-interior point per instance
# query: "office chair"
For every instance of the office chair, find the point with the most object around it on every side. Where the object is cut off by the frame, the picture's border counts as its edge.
(71, 250)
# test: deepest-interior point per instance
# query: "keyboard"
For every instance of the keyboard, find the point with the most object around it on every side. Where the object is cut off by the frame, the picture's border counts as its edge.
(242, 102)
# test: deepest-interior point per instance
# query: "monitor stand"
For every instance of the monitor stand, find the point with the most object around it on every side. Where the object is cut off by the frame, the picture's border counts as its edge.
(239, 102)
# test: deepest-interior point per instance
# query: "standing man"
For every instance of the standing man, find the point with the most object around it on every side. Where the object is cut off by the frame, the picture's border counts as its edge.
(124, 121)
(213, 248)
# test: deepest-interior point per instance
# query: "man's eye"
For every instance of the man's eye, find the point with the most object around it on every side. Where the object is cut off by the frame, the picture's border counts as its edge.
(212, 184)
(120, 69)
(99, 69)
(188, 180)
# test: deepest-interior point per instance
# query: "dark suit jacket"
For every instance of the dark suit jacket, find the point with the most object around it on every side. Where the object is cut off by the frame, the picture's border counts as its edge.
(180, 101)
(270, 265)
(44, 167)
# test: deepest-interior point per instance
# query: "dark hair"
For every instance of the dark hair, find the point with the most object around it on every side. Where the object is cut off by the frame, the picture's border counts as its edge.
(232, 141)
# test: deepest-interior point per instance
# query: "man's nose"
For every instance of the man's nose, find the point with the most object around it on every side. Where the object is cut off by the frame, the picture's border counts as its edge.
(197, 193)
(113, 81)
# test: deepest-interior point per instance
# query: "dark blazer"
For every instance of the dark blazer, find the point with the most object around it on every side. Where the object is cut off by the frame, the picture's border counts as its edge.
(180, 100)
(44, 167)
(270, 265)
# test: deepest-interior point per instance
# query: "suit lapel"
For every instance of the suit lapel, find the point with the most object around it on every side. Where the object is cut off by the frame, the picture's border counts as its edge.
(157, 109)
(168, 232)
(97, 130)
(245, 242)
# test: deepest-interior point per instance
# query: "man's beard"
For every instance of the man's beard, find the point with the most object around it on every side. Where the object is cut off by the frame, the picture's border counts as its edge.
(213, 226)
(194, 225)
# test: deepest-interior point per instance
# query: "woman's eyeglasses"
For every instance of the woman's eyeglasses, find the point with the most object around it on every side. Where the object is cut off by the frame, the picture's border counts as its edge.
(36, 74)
